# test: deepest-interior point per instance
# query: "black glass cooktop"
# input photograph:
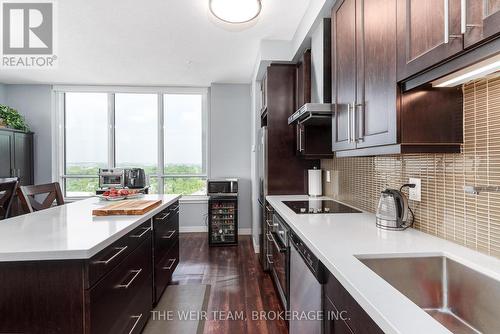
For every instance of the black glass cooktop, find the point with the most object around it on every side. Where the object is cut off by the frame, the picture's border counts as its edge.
(319, 206)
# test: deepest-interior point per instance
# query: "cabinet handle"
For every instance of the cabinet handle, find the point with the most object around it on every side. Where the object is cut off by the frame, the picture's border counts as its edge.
(361, 136)
(463, 16)
(269, 261)
(146, 230)
(349, 123)
(168, 236)
(165, 215)
(270, 223)
(171, 264)
(119, 249)
(127, 285)
(354, 122)
(138, 319)
(447, 35)
(269, 237)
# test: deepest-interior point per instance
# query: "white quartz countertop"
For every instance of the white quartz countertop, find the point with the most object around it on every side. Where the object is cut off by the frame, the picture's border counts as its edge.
(336, 239)
(68, 231)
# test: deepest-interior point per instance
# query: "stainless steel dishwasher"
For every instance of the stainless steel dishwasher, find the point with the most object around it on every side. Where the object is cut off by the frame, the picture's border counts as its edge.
(307, 276)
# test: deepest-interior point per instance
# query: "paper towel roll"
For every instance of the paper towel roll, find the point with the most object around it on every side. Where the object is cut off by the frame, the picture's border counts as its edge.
(314, 182)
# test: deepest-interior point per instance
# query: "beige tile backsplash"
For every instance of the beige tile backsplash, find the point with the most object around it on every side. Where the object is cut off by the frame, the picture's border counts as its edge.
(445, 210)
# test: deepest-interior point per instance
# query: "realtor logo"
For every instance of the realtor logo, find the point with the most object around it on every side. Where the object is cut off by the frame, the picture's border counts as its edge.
(28, 29)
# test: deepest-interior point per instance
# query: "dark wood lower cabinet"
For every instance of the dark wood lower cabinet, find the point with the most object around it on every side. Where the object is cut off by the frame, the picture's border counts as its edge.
(123, 298)
(343, 315)
(166, 248)
(108, 293)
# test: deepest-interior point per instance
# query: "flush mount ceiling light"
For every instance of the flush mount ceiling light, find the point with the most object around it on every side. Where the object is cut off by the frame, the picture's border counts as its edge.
(235, 11)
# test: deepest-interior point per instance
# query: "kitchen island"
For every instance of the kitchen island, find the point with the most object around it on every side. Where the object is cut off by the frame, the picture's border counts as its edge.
(63, 270)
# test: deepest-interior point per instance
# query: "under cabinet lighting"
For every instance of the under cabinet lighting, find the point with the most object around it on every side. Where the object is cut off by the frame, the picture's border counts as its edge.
(478, 70)
(232, 11)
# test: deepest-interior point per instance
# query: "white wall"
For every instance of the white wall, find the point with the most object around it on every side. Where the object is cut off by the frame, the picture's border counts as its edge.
(230, 141)
(3, 94)
(34, 102)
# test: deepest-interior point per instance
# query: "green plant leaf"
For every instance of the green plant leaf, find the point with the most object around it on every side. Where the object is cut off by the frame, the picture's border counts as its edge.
(12, 118)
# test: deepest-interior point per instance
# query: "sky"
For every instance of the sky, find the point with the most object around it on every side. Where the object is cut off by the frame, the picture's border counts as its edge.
(136, 128)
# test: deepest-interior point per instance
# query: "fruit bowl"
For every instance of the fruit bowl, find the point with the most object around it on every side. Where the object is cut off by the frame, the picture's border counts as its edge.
(119, 195)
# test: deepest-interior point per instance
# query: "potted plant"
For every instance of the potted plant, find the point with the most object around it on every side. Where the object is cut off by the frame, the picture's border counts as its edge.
(10, 118)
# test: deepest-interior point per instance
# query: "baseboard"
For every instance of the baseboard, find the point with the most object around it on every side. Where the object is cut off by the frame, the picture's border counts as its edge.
(198, 229)
(256, 246)
(193, 229)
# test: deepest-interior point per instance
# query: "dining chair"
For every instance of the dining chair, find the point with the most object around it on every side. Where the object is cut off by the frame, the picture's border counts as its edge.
(31, 196)
(7, 192)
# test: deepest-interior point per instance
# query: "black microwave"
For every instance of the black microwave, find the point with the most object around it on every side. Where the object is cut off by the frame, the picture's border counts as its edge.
(223, 187)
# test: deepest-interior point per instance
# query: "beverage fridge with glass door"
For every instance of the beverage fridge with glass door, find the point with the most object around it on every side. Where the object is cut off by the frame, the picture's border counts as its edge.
(223, 212)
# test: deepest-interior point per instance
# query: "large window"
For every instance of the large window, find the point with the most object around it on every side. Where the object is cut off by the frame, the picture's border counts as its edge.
(86, 143)
(184, 161)
(164, 133)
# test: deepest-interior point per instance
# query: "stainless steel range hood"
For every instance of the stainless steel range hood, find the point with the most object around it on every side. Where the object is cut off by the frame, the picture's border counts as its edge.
(319, 112)
(312, 113)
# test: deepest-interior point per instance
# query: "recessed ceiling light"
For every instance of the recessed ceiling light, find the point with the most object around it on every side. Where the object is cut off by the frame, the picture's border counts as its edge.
(235, 11)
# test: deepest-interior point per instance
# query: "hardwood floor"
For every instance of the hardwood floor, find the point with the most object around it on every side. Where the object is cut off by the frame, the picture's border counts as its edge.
(238, 285)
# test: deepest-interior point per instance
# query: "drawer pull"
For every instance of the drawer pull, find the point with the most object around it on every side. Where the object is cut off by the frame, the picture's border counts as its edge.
(171, 264)
(170, 235)
(175, 209)
(268, 260)
(269, 237)
(126, 286)
(270, 223)
(119, 249)
(137, 319)
(146, 230)
(165, 215)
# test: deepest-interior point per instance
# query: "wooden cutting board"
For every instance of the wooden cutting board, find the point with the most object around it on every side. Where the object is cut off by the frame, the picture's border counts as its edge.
(131, 207)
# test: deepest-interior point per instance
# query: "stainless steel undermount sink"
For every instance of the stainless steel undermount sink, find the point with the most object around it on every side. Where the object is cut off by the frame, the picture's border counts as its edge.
(460, 298)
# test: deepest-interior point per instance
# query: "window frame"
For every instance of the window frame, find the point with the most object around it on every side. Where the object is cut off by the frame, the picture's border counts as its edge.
(59, 131)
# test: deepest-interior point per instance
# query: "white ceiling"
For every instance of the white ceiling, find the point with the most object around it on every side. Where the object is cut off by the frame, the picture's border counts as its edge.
(157, 42)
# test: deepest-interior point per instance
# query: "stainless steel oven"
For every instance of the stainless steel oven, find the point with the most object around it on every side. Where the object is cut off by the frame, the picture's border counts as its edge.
(280, 253)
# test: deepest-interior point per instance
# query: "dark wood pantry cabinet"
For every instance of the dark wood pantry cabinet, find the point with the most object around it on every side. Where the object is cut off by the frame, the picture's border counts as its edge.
(16, 152)
(286, 172)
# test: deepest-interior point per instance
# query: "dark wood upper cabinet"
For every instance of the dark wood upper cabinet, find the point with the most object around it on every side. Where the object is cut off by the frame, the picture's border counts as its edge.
(364, 75)
(375, 109)
(373, 115)
(428, 33)
(263, 94)
(482, 20)
(343, 73)
(431, 31)
(303, 92)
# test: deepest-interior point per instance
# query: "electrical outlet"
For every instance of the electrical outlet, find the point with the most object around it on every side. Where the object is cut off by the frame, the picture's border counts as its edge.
(416, 193)
(328, 176)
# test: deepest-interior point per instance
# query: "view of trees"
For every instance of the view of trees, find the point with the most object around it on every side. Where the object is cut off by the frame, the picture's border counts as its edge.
(178, 185)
